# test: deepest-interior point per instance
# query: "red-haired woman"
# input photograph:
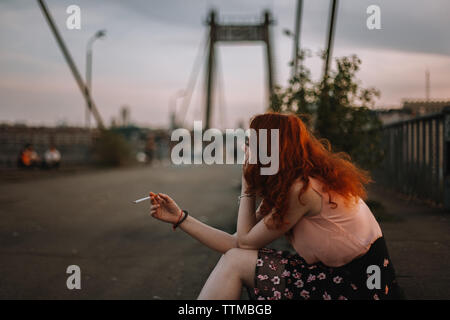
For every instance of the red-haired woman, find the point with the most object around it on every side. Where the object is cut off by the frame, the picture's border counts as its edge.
(316, 200)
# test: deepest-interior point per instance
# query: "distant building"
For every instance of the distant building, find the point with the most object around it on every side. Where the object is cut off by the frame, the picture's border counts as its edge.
(410, 109)
(422, 107)
(388, 116)
(75, 144)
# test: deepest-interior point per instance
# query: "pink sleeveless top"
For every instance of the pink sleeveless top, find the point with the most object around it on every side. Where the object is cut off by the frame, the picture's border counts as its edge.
(338, 235)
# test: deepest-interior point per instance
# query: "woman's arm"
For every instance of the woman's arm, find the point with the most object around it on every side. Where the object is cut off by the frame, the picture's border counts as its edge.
(213, 238)
(255, 235)
(246, 214)
(165, 209)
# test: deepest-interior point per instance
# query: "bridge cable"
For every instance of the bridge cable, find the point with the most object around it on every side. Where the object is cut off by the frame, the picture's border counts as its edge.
(201, 54)
(221, 97)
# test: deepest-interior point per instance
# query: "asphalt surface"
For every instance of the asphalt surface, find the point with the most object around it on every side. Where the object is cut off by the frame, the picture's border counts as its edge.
(48, 223)
(419, 245)
(89, 220)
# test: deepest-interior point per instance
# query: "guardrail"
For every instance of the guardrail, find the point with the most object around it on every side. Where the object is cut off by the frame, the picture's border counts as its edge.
(416, 160)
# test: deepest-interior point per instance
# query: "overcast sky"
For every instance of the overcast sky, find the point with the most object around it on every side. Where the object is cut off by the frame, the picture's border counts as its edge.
(150, 48)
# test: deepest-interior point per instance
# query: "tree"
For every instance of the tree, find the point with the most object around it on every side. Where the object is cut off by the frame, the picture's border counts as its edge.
(336, 108)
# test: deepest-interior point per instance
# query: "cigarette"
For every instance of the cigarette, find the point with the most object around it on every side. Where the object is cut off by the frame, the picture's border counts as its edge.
(140, 200)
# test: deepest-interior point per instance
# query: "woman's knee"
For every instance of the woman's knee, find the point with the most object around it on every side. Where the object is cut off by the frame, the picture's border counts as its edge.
(232, 257)
(241, 261)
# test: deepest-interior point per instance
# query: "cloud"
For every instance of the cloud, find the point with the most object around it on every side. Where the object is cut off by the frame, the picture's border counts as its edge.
(150, 49)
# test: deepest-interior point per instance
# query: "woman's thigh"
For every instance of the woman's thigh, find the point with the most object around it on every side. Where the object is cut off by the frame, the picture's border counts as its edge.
(243, 261)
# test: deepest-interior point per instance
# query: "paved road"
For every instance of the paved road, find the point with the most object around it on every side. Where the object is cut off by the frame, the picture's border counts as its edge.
(88, 220)
(419, 245)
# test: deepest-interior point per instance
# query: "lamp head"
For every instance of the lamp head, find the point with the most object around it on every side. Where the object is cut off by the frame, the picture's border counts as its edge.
(100, 34)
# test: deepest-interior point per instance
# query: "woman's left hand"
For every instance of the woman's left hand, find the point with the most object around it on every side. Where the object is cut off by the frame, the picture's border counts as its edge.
(164, 208)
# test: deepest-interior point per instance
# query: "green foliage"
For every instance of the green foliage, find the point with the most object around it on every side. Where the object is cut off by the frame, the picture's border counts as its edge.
(336, 108)
(112, 149)
(300, 96)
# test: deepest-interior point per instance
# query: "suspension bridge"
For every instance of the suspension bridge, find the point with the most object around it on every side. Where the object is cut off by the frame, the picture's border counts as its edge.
(86, 218)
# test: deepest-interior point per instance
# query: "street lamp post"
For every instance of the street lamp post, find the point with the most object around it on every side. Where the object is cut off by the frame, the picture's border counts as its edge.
(298, 18)
(99, 34)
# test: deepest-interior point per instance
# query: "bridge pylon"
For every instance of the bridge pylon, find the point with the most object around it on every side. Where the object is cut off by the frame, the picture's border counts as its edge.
(236, 32)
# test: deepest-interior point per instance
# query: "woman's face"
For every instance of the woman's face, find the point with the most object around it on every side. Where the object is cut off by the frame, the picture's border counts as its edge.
(247, 148)
(250, 147)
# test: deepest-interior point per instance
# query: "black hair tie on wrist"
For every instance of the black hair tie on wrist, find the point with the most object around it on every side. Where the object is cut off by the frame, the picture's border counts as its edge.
(182, 219)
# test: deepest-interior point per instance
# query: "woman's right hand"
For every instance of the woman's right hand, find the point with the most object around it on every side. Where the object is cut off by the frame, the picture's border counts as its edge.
(164, 208)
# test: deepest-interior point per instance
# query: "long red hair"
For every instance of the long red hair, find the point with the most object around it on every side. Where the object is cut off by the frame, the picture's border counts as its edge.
(301, 155)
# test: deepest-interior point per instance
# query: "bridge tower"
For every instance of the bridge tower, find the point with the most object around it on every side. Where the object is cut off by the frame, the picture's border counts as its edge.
(236, 32)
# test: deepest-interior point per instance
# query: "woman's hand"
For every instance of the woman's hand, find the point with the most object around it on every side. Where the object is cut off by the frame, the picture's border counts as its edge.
(164, 208)
(245, 188)
(244, 184)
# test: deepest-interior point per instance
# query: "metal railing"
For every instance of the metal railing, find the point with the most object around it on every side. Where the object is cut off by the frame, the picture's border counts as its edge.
(416, 157)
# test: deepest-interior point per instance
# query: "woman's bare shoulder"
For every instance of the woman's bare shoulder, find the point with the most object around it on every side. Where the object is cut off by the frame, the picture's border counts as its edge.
(297, 186)
(309, 197)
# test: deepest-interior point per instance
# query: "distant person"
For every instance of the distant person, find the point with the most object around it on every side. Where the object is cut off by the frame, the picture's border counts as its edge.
(158, 148)
(28, 158)
(52, 158)
(150, 148)
(316, 200)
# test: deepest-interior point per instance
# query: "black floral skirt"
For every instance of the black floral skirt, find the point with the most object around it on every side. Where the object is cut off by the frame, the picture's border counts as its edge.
(284, 275)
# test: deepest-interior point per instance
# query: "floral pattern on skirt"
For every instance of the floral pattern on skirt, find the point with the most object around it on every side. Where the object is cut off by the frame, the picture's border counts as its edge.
(281, 275)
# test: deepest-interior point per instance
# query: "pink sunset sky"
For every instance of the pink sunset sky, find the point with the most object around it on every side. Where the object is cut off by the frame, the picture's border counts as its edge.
(150, 48)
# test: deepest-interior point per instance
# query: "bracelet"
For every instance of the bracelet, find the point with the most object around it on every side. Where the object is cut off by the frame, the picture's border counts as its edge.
(180, 221)
(246, 195)
(249, 195)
